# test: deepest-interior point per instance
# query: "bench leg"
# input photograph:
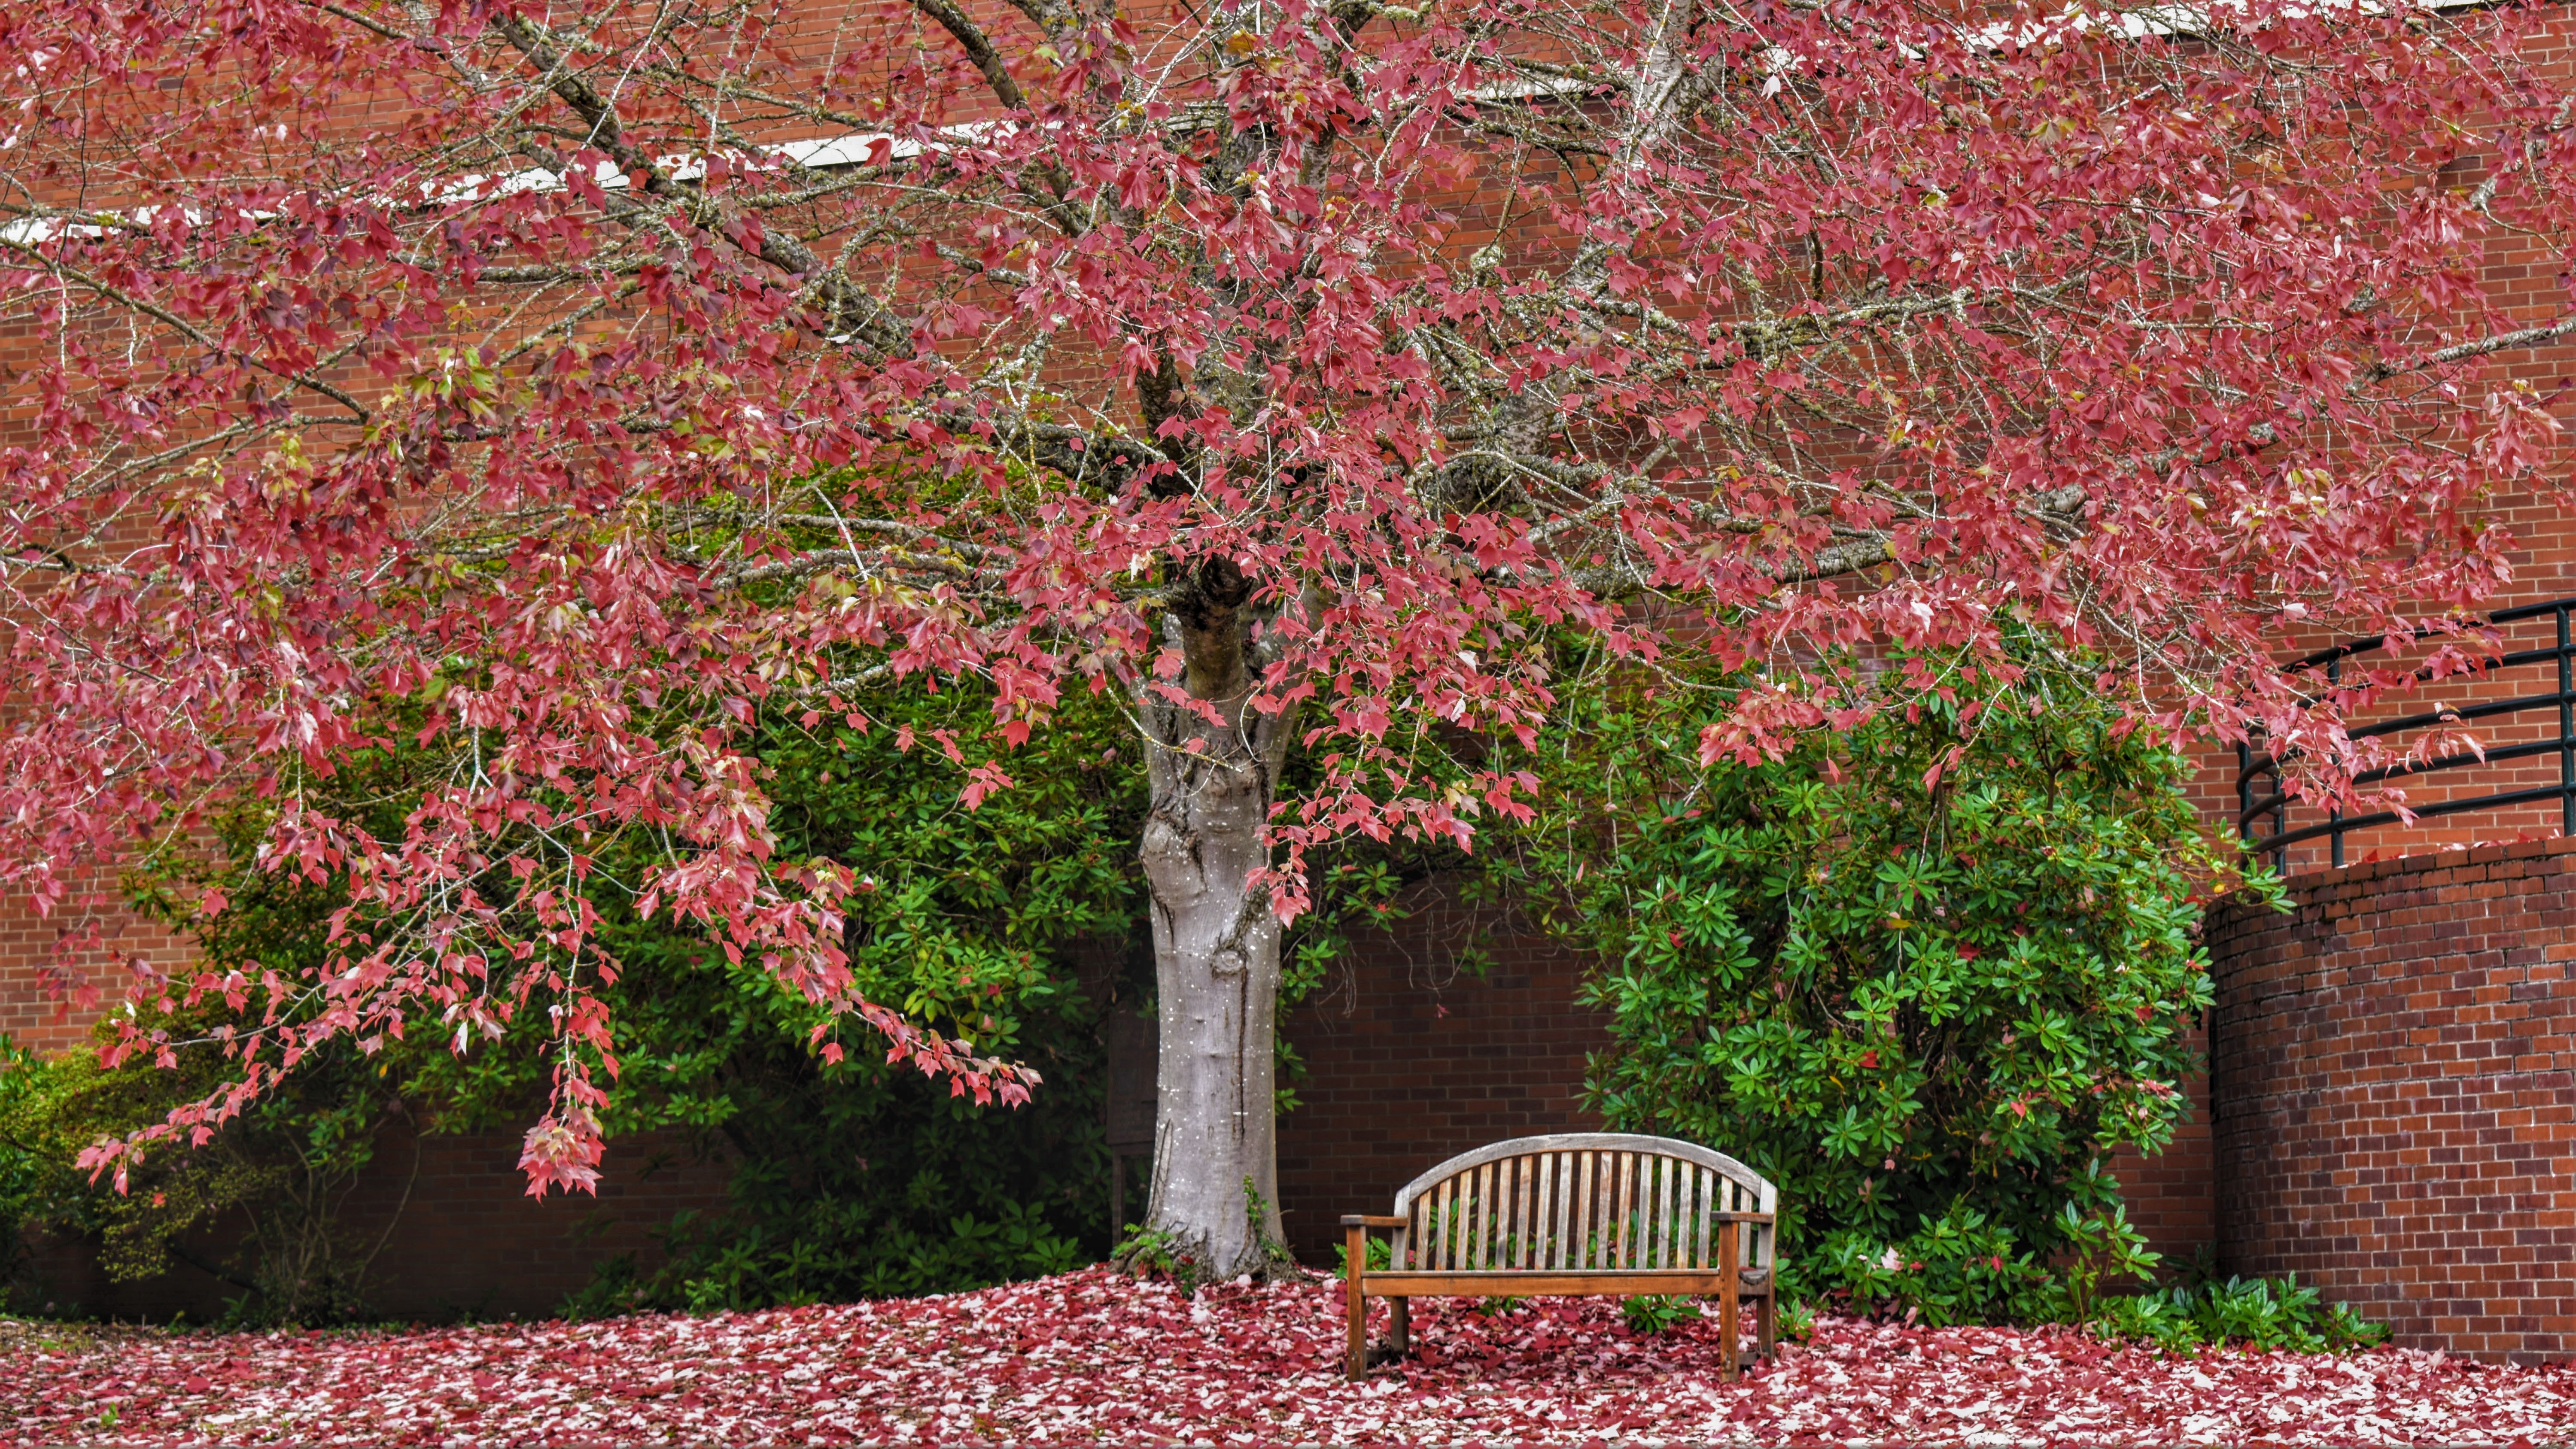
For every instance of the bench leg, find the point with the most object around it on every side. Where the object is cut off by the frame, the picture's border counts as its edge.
(1400, 1334)
(1355, 1298)
(1769, 1320)
(1730, 1311)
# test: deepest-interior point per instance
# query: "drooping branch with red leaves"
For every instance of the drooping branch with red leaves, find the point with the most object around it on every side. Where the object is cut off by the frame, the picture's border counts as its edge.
(570, 387)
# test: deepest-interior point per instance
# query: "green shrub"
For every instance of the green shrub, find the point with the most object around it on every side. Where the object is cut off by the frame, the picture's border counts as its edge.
(1924, 971)
(1153, 1254)
(1381, 1255)
(2252, 1313)
(738, 1260)
(1797, 1319)
(31, 1181)
(278, 1173)
(856, 1179)
(1655, 1313)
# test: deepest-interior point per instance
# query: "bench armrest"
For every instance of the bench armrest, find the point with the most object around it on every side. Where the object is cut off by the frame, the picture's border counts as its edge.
(1731, 1217)
(1373, 1220)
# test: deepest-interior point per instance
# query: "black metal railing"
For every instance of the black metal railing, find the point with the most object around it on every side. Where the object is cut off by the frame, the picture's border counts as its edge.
(2251, 766)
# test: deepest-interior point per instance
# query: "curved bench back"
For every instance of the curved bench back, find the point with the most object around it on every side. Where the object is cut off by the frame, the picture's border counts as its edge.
(1581, 1201)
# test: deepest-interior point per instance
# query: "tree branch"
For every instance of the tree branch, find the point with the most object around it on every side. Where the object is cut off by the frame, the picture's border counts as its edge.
(970, 38)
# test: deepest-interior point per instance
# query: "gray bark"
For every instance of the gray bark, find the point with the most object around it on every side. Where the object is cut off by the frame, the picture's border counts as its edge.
(1216, 941)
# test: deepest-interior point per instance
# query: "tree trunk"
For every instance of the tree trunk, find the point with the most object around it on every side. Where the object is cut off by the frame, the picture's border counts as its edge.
(1216, 945)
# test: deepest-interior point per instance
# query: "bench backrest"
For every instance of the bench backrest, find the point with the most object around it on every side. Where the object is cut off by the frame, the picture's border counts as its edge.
(1582, 1201)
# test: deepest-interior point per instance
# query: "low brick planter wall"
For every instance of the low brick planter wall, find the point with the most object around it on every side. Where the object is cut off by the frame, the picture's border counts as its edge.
(2393, 1073)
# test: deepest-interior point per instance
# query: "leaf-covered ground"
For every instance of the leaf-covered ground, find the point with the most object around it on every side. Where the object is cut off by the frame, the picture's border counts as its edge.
(1093, 1356)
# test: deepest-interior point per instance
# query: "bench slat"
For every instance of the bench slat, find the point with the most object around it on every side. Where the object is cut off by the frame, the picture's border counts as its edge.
(1644, 1228)
(1639, 1219)
(1600, 1241)
(1465, 1256)
(1462, 1232)
(1447, 1227)
(1578, 1246)
(1627, 1209)
(1685, 1200)
(1470, 1200)
(1685, 1206)
(1489, 1221)
(1431, 1221)
(1703, 1202)
(1668, 1217)
(1467, 1218)
(1534, 1176)
(1578, 1200)
(1671, 1215)
(1513, 1206)
(1616, 1211)
(1569, 1221)
(1480, 1218)
(1642, 1222)
(1650, 1197)
(1723, 1200)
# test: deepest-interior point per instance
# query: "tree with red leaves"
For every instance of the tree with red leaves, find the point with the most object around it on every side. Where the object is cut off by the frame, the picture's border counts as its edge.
(569, 388)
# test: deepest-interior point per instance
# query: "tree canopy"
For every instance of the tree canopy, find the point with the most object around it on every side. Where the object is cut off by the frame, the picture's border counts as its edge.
(575, 388)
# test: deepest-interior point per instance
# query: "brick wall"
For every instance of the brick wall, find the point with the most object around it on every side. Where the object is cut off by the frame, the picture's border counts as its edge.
(48, 964)
(2396, 1111)
(1409, 1060)
(465, 1240)
(2172, 1197)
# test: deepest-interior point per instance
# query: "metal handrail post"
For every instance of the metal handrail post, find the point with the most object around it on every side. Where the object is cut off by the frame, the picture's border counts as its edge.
(2280, 821)
(2334, 813)
(2244, 792)
(2566, 734)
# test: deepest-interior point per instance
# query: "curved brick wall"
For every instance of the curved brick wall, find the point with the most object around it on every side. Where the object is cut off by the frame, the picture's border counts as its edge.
(2393, 1073)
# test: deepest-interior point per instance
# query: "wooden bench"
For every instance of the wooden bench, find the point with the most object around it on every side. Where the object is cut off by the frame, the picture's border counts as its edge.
(1588, 1212)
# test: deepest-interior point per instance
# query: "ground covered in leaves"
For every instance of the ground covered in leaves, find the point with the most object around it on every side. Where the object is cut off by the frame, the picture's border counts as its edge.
(1094, 1356)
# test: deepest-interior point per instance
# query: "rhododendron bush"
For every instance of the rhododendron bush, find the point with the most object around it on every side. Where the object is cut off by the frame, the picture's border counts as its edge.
(575, 388)
(1927, 974)
(1079, 1357)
